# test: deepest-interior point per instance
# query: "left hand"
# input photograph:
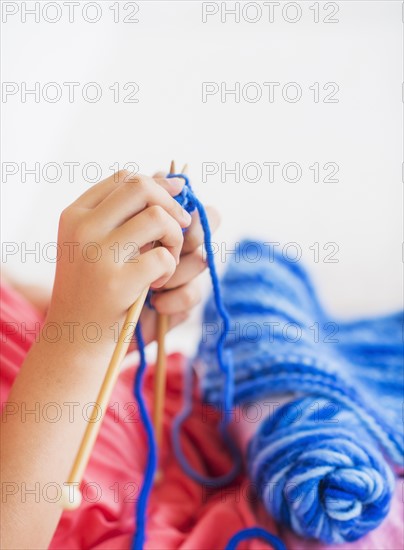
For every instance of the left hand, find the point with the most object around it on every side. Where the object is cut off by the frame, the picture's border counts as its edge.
(182, 292)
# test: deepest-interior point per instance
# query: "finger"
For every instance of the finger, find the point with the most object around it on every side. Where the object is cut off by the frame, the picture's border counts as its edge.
(148, 320)
(152, 268)
(189, 267)
(93, 196)
(194, 236)
(97, 193)
(173, 186)
(152, 224)
(132, 197)
(178, 300)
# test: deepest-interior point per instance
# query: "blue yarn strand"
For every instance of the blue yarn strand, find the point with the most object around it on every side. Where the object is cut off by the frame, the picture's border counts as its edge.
(141, 509)
(255, 533)
(190, 202)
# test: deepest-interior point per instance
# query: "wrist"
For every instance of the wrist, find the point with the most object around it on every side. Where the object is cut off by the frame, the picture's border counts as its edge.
(76, 337)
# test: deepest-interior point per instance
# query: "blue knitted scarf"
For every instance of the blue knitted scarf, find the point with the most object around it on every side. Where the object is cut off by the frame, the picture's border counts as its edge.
(322, 463)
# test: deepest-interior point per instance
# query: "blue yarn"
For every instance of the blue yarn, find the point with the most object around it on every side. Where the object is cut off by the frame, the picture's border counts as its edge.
(255, 533)
(339, 464)
(186, 198)
(321, 475)
(141, 509)
(189, 202)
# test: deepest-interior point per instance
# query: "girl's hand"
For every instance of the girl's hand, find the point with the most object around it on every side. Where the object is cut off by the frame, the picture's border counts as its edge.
(182, 292)
(97, 279)
(106, 257)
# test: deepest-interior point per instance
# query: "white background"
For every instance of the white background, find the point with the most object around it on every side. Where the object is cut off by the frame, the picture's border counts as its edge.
(169, 53)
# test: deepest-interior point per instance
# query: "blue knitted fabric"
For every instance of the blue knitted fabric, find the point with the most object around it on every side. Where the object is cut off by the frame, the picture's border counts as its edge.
(322, 463)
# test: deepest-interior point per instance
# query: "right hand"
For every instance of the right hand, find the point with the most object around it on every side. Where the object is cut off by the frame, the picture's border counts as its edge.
(97, 280)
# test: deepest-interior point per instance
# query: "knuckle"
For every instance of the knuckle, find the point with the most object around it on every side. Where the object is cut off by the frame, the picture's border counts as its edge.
(67, 222)
(157, 215)
(159, 175)
(135, 183)
(123, 175)
(178, 235)
(165, 258)
(177, 208)
(65, 217)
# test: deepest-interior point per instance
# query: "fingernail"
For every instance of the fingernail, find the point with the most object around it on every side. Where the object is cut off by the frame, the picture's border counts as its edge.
(175, 180)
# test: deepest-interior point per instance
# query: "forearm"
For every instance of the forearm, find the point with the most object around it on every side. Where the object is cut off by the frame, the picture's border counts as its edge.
(36, 449)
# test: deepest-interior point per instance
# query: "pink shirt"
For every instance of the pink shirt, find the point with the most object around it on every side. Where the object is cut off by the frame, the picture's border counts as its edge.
(182, 514)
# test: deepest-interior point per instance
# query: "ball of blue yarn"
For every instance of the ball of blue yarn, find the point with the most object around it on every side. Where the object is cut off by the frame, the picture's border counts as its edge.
(318, 473)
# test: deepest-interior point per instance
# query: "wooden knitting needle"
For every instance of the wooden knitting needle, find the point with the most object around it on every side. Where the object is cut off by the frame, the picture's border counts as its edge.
(161, 368)
(71, 496)
(161, 372)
